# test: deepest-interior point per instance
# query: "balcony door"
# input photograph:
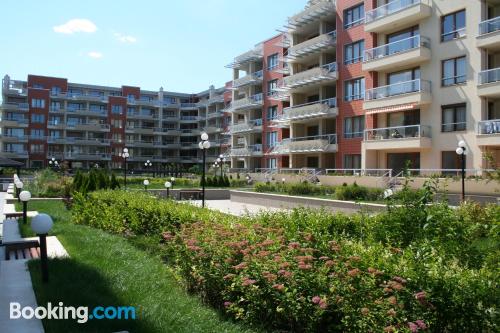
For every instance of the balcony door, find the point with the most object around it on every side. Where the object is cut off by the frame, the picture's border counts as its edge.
(403, 82)
(404, 119)
(398, 161)
(399, 36)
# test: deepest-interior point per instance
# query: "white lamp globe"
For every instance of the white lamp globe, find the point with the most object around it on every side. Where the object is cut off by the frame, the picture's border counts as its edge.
(19, 185)
(459, 150)
(204, 136)
(125, 150)
(25, 196)
(200, 145)
(126, 155)
(41, 224)
(168, 184)
(206, 144)
(283, 180)
(172, 179)
(221, 156)
(218, 160)
(461, 144)
(146, 182)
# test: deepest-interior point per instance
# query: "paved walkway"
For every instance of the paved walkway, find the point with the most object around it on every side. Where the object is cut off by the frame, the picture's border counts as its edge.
(236, 208)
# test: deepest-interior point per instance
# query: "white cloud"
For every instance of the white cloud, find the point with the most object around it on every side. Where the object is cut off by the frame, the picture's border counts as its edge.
(76, 25)
(95, 54)
(125, 38)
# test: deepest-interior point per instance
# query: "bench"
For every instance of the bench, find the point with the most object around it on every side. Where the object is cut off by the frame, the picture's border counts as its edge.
(13, 215)
(190, 194)
(22, 249)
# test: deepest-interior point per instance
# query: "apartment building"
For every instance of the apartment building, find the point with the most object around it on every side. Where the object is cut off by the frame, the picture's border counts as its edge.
(88, 125)
(376, 85)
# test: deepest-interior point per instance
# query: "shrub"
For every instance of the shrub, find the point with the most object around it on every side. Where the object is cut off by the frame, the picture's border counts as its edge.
(315, 271)
(47, 183)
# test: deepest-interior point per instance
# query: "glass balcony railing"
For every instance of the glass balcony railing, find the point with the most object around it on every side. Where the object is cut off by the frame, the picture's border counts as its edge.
(396, 89)
(388, 9)
(488, 127)
(399, 46)
(399, 132)
(489, 26)
(489, 76)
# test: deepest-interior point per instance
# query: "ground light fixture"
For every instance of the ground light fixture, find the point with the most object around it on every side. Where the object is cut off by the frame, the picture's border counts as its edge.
(204, 145)
(462, 151)
(124, 154)
(146, 184)
(53, 163)
(172, 180)
(283, 180)
(148, 165)
(168, 185)
(19, 186)
(41, 225)
(25, 196)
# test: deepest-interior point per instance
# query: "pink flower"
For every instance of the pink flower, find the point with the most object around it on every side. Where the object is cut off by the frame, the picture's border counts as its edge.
(284, 273)
(240, 266)
(322, 304)
(227, 304)
(316, 299)
(421, 324)
(248, 282)
(228, 276)
(294, 245)
(279, 287)
(413, 327)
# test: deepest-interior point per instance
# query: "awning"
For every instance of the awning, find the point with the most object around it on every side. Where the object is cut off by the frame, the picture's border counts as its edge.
(394, 108)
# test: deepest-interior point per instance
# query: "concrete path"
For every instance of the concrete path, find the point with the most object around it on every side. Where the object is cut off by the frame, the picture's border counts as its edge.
(235, 208)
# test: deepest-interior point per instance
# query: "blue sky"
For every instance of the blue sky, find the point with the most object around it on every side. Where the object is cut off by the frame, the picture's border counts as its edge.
(181, 45)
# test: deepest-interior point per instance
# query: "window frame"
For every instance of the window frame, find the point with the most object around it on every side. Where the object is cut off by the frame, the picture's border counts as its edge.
(272, 66)
(456, 126)
(354, 134)
(360, 44)
(361, 96)
(351, 10)
(455, 77)
(456, 32)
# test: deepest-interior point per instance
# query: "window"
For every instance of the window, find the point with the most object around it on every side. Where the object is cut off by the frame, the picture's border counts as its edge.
(97, 107)
(354, 89)
(272, 163)
(55, 90)
(76, 106)
(354, 16)
(117, 137)
(454, 71)
(37, 133)
(450, 160)
(131, 97)
(272, 112)
(354, 127)
(271, 86)
(353, 53)
(37, 86)
(453, 26)
(271, 139)
(37, 103)
(116, 109)
(352, 161)
(117, 123)
(272, 61)
(37, 148)
(130, 110)
(453, 118)
(37, 118)
(55, 106)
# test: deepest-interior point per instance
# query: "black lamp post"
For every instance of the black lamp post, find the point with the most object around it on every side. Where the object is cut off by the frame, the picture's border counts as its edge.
(53, 163)
(146, 183)
(204, 146)
(462, 151)
(125, 154)
(41, 225)
(168, 185)
(147, 165)
(19, 186)
(25, 196)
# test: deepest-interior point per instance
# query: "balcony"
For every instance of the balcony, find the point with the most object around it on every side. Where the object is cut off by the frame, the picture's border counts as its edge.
(139, 115)
(189, 106)
(56, 124)
(212, 129)
(397, 55)
(488, 133)
(312, 46)
(14, 138)
(88, 127)
(166, 131)
(253, 55)
(489, 34)
(489, 83)
(139, 129)
(82, 112)
(15, 153)
(15, 106)
(81, 141)
(306, 145)
(247, 103)
(246, 127)
(317, 75)
(140, 143)
(189, 131)
(88, 156)
(14, 122)
(396, 14)
(398, 138)
(416, 92)
(326, 108)
(190, 119)
(249, 151)
(216, 114)
(83, 97)
(253, 78)
(215, 99)
(310, 14)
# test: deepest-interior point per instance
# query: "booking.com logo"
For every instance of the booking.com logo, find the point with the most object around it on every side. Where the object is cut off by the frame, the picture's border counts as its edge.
(81, 314)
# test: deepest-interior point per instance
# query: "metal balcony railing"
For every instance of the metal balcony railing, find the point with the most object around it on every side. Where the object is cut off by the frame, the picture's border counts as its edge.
(310, 76)
(307, 144)
(247, 102)
(248, 79)
(489, 26)
(399, 46)
(246, 126)
(309, 110)
(253, 150)
(389, 9)
(311, 13)
(397, 132)
(398, 89)
(312, 45)
(15, 106)
(489, 76)
(488, 127)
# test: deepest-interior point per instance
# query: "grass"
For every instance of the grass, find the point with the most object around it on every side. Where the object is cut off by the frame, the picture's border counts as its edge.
(109, 270)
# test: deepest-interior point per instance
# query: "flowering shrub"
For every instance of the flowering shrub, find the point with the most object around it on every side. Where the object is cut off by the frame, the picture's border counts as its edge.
(311, 271)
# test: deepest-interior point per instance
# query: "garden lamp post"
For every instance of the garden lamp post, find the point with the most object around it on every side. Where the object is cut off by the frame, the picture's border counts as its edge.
(172, 180)
(462, 151)
(53, 163)
(125, 154)
(204, 145)
(283, 180)
(25, 196)
(19, 186)
(146, 183)
(219, 163)
(148, 164)
(41, 225)
(168, 185)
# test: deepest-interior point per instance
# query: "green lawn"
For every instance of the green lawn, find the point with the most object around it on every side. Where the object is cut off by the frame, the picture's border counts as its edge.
(109, 270)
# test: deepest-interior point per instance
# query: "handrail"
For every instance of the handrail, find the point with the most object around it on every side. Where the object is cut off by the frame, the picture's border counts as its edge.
(388, 9)
(397, 132)
(331, 138)
(489, 76)
(331, 102)
(399, 88)
(489, 26)
(396, 47)
(486, 127)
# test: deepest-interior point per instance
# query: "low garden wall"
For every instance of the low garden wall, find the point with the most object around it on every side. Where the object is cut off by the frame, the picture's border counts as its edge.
(210, 194)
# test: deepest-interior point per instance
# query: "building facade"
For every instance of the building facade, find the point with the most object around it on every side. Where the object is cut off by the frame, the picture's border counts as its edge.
(47, 118)
(348, 84)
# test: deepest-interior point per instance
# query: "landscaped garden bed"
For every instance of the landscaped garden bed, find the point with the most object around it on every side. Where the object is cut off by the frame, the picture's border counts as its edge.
(416, 267)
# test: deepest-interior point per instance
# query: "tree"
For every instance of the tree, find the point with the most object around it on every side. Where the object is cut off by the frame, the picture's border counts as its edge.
(114, 182)
(92, 181)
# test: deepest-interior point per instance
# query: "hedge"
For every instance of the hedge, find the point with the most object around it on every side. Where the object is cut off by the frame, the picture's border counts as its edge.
(417, 267)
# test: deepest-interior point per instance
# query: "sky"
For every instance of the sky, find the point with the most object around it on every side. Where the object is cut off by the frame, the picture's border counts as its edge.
(180, 45)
